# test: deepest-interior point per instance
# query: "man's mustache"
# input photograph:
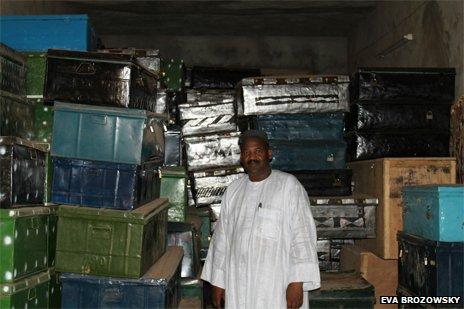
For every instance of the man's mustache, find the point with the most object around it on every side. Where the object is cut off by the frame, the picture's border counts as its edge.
(252, 161)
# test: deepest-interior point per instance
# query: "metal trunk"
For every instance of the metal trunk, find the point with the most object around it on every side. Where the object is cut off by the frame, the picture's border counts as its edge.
(24, 247)
(174, 187)
(30, 292)
(308, 155)
(404, 85)
(107, 242)
(184, 235)
(210, 185)
(220, 78)
(344, 217)
(212, 151)
(317, 126)
(102, 184)
(431, 268)
(13, 70)
(325, 182)
(434, 212)
(17, 115)
(293, 95)
(159, 287)
(108, 134)
(43, 123)
(208, 111)
(99, 79)
(22, 172)
(384, 117)
(173, 74)
(372, 145)
(41, 32)
(342, 290)
(35, 77)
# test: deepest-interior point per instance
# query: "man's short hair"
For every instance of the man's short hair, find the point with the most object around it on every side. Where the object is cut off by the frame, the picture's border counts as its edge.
(255, 134)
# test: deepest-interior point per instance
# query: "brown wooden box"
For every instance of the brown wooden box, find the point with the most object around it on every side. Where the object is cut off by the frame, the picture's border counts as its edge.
(384, 178)
(382, 274)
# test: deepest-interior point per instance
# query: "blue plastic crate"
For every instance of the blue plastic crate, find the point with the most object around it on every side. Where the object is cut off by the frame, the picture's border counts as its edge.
(308, 155)
(158, 288)
(104, 185)
(434, 212)
(41, 32)
(317, 126)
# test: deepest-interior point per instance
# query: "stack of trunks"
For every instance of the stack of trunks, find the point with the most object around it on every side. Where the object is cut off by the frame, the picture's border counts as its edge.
(210, 135)
(28, 222)
(398, 135)
(304, 119)
(400, 112)
(106, 152)
(431, 245)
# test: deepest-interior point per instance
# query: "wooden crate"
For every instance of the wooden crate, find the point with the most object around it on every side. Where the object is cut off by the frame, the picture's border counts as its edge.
(382, 274)
(384, 178)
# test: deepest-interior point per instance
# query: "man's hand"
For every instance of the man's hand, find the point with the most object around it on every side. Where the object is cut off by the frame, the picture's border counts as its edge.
(295, 295)
(218, 296)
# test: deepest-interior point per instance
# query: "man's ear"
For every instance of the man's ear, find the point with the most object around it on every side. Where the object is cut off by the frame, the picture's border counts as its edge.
(269, 154)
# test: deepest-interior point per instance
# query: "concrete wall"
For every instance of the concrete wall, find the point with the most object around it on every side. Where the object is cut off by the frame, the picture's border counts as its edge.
(313, 54)
(438, 31)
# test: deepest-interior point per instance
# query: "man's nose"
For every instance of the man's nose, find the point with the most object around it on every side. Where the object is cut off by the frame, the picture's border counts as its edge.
(253, 156)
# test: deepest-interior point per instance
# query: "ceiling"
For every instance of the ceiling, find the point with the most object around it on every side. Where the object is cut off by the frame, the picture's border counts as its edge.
(198, 18)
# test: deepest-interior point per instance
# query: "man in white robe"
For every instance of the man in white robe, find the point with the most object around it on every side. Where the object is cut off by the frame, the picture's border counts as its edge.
(263, 251)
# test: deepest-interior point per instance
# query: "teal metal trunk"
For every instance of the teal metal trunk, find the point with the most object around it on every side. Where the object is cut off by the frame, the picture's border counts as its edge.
(316, 126)
(24, 246)
(299, 155)
(108, 134)
(30, 292)
(434, 212)
(107, 242)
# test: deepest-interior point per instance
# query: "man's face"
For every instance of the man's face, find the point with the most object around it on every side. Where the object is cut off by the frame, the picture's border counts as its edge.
(255, 155)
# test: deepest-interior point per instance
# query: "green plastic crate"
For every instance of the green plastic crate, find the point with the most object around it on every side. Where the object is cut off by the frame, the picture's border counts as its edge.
(30, 292)
(173, 74)
(174, 187)
(108, 242)
(35, 76)
(24, 242)
(17, 116)
(43, 123)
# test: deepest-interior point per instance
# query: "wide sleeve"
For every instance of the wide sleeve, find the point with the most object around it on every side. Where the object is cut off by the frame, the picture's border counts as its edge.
(215, 267)
(304, 265)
